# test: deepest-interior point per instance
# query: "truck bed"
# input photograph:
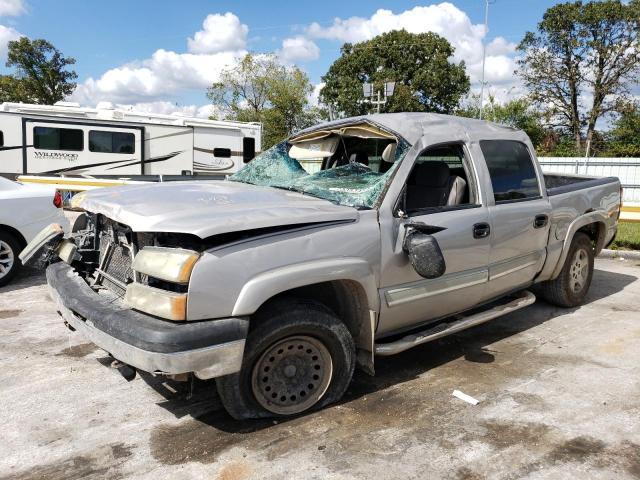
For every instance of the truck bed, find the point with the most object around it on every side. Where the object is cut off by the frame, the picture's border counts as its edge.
(558, 183)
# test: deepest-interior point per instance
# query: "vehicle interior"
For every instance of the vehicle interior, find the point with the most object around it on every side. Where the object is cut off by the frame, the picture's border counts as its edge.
(440, 179)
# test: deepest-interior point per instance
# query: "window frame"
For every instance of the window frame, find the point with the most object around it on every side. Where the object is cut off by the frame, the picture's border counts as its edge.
(133, 143)
(81, 149)
(472, 184)
(533, 164)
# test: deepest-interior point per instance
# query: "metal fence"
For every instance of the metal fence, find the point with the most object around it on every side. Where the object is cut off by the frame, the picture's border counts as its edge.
(626, 169)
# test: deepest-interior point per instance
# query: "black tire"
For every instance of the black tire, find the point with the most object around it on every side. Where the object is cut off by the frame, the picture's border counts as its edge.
(563, 291)
(9, 241)
(289, 320)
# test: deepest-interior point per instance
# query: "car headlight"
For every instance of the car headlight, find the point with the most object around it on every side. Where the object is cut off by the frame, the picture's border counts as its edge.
(170, 264)
(154, 301)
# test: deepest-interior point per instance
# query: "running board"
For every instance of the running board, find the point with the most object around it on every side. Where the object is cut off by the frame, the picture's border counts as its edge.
(462, 323)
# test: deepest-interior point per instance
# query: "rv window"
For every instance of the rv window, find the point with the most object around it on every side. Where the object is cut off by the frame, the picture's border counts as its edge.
(1, 139)
(222, 152)
(49, 138)
(248, 149)
(111, 142)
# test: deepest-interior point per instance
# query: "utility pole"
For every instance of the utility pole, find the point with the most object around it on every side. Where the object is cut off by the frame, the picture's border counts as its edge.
(484, 52)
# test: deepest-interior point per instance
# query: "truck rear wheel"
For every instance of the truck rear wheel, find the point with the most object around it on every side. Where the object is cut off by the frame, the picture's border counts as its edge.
(570, 287)
(9, 261)
(299, 357)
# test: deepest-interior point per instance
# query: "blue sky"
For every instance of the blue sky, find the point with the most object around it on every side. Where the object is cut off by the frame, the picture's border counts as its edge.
(139, 53)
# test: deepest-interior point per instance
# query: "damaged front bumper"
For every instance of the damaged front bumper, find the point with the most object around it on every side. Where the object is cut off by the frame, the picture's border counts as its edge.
(208, 348)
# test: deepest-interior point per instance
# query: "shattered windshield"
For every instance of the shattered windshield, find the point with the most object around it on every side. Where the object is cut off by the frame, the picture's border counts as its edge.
(352, 184)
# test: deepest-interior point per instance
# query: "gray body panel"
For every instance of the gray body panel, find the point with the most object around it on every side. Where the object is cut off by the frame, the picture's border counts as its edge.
(334, 242)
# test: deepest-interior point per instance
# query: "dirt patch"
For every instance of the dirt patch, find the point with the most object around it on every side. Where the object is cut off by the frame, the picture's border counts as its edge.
(10, 313)
(502, 434)
(235, 471)
(102, 464)
(77, 351)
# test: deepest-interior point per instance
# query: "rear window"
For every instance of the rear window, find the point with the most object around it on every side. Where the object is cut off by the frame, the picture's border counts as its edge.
(50, 138)
(510, 165)
(102, 141)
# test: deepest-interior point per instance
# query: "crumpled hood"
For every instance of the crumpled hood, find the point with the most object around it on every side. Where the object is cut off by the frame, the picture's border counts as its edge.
(206, 208)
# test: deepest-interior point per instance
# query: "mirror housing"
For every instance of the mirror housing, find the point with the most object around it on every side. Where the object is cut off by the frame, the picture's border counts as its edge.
(424, 254)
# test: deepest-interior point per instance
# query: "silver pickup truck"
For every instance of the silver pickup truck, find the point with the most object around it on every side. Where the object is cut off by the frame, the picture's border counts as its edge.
(280, 280)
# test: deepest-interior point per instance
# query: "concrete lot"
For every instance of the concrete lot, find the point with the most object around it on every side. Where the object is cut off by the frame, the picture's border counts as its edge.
(559, 392)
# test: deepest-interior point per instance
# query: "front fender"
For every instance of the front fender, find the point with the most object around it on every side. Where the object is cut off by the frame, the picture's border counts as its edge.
(265, 285)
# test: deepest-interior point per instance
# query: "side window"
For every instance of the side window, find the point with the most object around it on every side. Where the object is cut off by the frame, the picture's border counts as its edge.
(102, 141)
(440, 179)
(510, 165)
(49, 138)
(248, 149)
(222, 152)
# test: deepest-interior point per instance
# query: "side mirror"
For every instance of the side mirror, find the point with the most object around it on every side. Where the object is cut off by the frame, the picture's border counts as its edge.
(424, 254)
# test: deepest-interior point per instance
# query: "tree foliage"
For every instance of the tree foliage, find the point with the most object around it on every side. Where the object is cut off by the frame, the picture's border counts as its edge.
(518, 113)
(261, 89)
(624, 136)
(426, 81)
(41, 73)
(581, 62)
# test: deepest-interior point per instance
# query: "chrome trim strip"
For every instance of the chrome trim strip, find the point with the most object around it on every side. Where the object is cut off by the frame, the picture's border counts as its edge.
(428, 288)
(505, 267)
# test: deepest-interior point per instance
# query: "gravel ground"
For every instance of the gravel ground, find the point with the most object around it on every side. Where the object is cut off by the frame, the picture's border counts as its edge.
(559, 395)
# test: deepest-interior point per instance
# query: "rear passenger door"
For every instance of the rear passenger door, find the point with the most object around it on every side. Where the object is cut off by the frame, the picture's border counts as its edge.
(519, 216)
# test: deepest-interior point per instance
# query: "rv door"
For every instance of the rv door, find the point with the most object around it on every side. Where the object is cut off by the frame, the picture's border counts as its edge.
(71, 148)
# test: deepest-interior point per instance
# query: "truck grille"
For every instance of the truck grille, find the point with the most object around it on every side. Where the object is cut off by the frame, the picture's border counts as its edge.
(115, 271)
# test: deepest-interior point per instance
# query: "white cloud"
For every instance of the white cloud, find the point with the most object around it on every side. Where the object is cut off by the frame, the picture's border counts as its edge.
(6, 35)
(314, 97)
(446, 20)
(11, 8)
(298, 48)
(220, 33)
(165, 73)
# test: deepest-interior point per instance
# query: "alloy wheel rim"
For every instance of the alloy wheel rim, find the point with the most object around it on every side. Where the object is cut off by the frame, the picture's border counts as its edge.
(579, 271)
(6, 258)
(292, 375)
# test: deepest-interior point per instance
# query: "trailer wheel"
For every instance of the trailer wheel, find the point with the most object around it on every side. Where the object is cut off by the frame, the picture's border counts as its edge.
(9, 261)
(570, 287)
(299, 357)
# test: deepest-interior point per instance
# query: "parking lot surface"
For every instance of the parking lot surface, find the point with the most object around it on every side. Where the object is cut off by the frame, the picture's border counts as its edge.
(559, 393)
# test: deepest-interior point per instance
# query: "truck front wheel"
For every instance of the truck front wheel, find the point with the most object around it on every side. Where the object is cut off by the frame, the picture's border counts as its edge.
(570, 287)
(298, 357)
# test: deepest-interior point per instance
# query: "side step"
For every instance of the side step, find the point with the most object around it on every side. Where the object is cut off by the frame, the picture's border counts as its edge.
(461, 323)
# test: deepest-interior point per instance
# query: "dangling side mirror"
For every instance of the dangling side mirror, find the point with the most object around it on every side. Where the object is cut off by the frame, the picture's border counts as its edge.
(424, 251)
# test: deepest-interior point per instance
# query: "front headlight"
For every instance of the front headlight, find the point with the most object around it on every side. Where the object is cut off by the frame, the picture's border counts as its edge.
(169, 264)
(154, 301)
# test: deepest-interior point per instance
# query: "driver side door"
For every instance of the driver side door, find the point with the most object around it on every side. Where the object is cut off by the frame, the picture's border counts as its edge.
(407, 299)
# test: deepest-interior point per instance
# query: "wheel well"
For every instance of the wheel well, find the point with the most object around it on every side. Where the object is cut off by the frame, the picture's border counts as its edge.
(596, 232)
(15, 233)
(346, 298)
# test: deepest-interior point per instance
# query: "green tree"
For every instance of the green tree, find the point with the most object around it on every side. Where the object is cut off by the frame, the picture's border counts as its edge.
(41, 76)
(581, 62)
(426, 81)
(518, 113)
(624, 136)
(261, 89)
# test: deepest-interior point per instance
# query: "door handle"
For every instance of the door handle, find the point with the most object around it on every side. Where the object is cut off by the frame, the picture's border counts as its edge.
(540, 221)
(481, 230)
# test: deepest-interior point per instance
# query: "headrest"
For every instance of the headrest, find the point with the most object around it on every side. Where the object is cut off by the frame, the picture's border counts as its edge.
(389, 153)
(432, 174)
(359, 157)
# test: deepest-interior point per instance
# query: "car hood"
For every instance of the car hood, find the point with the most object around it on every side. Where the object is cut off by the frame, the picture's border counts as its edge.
(205, 208)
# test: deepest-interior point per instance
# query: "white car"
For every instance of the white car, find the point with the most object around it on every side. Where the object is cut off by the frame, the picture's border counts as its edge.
(24, 211)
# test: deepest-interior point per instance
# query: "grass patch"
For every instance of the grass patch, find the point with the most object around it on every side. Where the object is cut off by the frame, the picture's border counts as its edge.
(628, 237)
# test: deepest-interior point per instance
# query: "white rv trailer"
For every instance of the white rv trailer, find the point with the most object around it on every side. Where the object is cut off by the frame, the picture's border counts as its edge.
(65, 139)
